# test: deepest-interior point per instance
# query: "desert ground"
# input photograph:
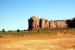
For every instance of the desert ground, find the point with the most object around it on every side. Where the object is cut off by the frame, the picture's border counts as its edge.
(64, 40)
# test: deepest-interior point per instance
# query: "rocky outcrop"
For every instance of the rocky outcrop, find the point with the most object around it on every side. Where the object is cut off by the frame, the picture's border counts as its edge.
(44, 23)
(71, 23)
(35, 23)
(52, 24)
(61, 24)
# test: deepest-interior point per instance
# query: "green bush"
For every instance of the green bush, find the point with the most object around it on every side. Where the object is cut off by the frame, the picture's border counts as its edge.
(3, 30)
(18, 30)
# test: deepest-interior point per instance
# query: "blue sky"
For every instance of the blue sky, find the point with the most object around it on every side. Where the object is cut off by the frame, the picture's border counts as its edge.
(14, 14)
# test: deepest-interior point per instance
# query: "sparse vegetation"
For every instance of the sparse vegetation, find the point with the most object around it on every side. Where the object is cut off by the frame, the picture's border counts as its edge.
(18, 30)
(3, 30)
(49, 38)
(37, 32)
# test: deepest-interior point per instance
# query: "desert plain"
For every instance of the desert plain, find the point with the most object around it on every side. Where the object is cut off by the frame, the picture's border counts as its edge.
(57, 40)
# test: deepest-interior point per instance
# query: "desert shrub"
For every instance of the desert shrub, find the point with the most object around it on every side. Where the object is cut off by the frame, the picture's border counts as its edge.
(3, 30)
(18, 30)
(39, 30)
(10, 31)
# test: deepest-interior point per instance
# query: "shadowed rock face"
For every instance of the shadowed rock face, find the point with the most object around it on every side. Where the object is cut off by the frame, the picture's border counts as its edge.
(71, 23)
(36, 23)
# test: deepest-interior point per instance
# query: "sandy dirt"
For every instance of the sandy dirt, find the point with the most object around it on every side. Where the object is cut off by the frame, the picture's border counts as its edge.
(57, 42)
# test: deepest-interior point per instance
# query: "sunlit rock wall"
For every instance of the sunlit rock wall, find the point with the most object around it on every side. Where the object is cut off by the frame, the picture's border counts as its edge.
(35, 23)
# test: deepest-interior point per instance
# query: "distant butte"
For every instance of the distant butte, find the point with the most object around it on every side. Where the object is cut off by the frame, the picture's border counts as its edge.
(35, 23)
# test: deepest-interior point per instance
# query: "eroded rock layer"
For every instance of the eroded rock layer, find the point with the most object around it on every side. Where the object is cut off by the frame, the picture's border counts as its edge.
(35, 23)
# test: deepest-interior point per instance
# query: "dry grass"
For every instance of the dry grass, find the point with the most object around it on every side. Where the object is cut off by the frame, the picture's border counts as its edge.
(59, 39)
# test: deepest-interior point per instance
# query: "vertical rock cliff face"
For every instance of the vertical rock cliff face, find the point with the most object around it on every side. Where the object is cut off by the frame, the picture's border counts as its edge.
(42, 23)
(61, 24)
(46, 24)
(71, 22)
(52, 24)
(35, 23)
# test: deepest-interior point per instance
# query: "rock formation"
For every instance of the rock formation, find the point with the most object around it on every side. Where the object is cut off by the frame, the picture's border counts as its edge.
(61, 24)
(35, 23)
(42, 23)
(52, 24)
(71, 23)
